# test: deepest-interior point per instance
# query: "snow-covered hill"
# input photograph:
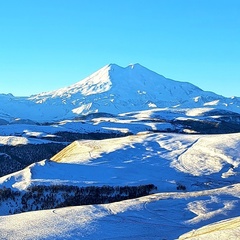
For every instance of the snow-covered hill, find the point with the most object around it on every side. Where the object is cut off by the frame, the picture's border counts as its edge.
(206, 165)
(132, 129)
(114, 90)
(23, 142)
(139, 159)
(158, 216)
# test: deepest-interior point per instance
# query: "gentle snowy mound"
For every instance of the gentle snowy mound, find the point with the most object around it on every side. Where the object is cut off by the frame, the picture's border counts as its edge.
(158, 216)
(114, 90)
(196, 155)
(163, 159)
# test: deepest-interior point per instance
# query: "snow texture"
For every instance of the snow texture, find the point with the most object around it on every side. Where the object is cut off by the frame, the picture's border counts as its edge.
(164, 159)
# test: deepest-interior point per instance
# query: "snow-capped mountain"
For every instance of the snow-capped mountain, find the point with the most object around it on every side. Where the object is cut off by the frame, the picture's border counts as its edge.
(143, 157)
(113, 89)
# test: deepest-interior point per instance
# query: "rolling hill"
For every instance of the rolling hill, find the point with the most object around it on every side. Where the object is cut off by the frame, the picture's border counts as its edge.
(198, 174)
(122, 154)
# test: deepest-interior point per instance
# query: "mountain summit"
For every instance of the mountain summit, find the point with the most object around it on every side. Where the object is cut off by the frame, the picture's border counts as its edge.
(114, 89)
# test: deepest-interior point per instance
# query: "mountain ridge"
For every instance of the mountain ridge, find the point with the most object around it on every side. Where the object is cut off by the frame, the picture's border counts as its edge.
(113, 89)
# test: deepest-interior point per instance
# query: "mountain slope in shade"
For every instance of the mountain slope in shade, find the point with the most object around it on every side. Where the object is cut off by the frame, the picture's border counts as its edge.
(113, 89)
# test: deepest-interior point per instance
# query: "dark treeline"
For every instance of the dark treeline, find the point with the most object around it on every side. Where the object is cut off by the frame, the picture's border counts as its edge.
(74, 136)
(15, 158)
(55, 196)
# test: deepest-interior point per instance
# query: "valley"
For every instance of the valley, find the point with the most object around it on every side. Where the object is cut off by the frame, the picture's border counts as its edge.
(100, 157)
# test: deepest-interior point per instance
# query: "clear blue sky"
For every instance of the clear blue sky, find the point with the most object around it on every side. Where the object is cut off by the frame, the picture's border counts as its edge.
(48, 44)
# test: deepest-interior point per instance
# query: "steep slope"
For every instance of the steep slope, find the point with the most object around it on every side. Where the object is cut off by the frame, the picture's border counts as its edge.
(113, 89)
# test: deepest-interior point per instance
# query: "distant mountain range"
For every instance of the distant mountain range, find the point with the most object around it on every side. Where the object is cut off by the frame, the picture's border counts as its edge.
(114, 90)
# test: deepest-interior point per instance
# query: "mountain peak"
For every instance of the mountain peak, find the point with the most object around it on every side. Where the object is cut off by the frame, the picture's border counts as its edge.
(114, 89)
(135, 66)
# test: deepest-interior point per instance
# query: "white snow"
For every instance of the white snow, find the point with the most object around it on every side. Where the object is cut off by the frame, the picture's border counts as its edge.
(140, 101)
(139, 159)
(212, 103)
(226, 229)
(14, 141)
(201, 163)
(115, 90)
(152, 217)
(197, 111)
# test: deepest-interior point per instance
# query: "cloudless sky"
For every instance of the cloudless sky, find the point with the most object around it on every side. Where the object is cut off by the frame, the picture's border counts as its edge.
(48, 44)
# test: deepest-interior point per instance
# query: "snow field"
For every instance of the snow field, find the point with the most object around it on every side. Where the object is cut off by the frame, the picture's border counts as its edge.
(149, 217)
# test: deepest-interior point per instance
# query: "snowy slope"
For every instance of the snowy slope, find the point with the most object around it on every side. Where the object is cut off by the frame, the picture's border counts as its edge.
(167, 160)
(203, 120)
(227, 229)
(147, 218)
(23, 142)
(113, 89)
